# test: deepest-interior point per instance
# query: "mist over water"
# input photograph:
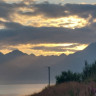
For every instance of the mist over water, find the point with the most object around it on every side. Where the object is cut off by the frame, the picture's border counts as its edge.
(20, 89)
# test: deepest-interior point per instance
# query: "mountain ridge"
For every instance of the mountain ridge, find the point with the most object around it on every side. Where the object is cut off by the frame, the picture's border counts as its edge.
(32, 69)
(75, 62)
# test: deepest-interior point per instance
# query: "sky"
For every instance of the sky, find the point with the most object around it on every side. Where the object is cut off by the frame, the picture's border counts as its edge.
(47, 27)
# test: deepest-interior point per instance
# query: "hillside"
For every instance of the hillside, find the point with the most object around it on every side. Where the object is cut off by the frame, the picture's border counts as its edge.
(75, 62)
(69, 89)
(18, 67)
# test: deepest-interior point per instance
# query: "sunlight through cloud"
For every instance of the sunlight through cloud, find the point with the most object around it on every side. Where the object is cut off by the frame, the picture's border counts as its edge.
(46, 49)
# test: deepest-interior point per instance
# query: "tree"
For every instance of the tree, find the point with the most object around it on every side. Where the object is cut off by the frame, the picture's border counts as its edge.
(89, 71)
(68, 76)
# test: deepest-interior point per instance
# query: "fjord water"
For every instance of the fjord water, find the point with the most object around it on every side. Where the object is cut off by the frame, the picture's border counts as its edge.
(20, 89)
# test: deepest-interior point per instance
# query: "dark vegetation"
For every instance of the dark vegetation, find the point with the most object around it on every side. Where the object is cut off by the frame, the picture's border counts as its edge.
(73, 84)
(69, 89)
(88, 74)
(68, 76)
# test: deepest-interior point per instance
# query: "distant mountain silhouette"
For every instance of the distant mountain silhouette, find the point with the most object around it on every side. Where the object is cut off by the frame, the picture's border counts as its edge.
(16, 53)
(75, 62)
(90, 49)
(18, 67)
(1, 54)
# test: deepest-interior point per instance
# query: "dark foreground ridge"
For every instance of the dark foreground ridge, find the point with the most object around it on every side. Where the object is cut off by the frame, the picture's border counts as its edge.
(74, 84)
(69, 89)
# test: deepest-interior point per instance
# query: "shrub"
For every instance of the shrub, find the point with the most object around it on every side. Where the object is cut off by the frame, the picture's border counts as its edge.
(88, 74)
(68, 76)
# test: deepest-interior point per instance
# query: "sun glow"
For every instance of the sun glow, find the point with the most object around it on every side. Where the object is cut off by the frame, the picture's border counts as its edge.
(41, 21)
(46, 49)
(78, 47)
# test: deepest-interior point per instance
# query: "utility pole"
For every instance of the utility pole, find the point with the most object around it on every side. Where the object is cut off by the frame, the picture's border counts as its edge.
(49, 75)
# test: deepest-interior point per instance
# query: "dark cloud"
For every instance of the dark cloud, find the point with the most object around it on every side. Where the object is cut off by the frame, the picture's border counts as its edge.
(58, 10)
(11, 25)
(16, 33)
(85, 9)
(57, 48)
(34, 35)
(8, 10)
(49, 10)
(5, 10)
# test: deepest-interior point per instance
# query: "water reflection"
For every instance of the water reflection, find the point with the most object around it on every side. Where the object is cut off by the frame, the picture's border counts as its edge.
(20, 89)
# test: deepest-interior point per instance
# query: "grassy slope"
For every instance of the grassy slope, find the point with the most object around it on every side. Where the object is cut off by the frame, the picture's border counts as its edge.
(68, 89)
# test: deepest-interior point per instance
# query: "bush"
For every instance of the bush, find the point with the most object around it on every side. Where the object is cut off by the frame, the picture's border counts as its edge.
(68, 76)
(88, 74)
(89, 71)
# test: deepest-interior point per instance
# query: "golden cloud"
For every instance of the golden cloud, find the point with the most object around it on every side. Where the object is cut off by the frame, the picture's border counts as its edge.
(68, 48)
(41, 21)
(27, 16)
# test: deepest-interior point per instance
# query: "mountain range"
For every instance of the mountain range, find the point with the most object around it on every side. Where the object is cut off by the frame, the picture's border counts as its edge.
(18, 67)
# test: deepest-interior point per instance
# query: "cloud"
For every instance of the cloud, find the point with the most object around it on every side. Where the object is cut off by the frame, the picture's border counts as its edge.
(10, 25)
(35, 35)
(56, 49)
(47, 10)
(8, 10)
(28, 22)
(58, 10)
(61, 48)
(35, 23)
(48, 14)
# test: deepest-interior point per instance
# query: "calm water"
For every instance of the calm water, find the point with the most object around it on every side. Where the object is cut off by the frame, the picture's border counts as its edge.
(20, 89)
